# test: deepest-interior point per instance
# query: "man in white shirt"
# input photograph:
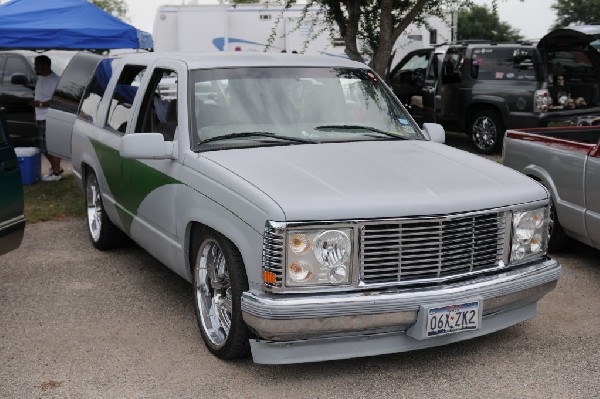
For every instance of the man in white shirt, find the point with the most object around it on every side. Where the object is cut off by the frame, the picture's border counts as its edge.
(44, 89)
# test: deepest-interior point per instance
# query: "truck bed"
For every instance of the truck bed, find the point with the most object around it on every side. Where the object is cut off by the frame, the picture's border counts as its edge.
(579, 136)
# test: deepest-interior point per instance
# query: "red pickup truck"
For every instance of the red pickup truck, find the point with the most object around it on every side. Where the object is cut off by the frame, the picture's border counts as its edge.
(566, 161)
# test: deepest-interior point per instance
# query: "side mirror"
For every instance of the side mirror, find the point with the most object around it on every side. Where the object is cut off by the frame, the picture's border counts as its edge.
(147, 146)
(19, 79)
(434, 132)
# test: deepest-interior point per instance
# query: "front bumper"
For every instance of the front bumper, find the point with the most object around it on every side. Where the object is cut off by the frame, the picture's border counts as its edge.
(284, 318)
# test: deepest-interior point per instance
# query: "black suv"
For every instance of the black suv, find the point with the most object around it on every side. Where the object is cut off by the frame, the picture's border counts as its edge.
(484, 88)
(17, 86)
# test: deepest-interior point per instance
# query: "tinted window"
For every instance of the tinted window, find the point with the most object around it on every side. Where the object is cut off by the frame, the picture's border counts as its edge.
(416, 61)
(95, 91)
(505, 63)
(16, 65)
(575, 65)
(120, 111)
(73, 82)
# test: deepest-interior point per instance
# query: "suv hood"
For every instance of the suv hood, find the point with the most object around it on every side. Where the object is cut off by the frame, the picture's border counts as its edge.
(568, 38)
(362, 180)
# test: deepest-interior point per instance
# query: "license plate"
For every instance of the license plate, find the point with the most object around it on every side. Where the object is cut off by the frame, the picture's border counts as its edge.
(447, 319)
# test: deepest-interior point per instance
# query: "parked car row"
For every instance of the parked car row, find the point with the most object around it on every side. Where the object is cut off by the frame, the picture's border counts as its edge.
(17, 86)
(484, 88)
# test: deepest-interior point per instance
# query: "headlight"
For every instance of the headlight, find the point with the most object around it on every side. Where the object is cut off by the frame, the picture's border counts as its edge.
(529, 234)
(318, 257)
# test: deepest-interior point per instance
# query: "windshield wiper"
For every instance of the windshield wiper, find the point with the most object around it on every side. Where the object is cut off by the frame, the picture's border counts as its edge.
(256, 134)
(359, 127)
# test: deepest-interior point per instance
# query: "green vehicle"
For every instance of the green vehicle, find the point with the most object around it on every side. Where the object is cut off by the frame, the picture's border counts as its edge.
(12, 220)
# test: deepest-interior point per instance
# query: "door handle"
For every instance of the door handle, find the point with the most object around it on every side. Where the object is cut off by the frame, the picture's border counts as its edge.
(10, 166)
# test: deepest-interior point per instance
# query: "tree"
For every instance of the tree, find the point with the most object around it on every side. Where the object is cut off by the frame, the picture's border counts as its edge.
(481, 22)
(118, 8)
(576, 12)
(377, 24)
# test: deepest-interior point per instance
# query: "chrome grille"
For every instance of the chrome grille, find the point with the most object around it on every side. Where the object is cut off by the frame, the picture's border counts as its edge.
(426, 249)
(273, 252)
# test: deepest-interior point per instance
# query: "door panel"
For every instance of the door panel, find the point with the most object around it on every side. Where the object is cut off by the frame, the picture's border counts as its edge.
(12, 221)
(65, 103)
(152, 185)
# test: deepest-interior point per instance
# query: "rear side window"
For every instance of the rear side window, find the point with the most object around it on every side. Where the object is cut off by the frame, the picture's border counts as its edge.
(73, 82)
(505, 64)
(126, 90)
(575, 64)
(94, 92)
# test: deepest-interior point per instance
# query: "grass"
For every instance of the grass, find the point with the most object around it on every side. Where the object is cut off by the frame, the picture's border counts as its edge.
(46, 201)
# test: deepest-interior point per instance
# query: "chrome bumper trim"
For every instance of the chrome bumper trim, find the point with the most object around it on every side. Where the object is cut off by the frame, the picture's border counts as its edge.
(283, 318)
(316, 350)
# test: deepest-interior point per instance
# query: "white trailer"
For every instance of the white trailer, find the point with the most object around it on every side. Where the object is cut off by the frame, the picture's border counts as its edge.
(260, 27)
(247, 27)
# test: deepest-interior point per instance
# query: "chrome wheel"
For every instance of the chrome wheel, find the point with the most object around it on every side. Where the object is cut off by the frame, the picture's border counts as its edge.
(94, 207)
(213, 292)
(485, 133)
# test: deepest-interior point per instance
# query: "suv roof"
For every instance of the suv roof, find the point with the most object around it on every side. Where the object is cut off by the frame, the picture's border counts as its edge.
(60, 58)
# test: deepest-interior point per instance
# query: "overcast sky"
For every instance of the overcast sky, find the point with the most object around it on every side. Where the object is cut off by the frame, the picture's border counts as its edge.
(533, 18)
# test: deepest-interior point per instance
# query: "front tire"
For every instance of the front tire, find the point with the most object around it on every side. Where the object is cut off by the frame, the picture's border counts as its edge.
(557, 239)
(219, 279)
(103, 233)
(487, 131)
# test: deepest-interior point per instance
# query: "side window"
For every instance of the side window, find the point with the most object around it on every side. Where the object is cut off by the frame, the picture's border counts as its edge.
(505, 63)
(403, 72)
(15, 65)
(120, 110)
(88, 110)
(73, 82)
(159, 109)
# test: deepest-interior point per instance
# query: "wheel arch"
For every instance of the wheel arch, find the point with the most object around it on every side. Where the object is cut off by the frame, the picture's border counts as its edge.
(249, 246)
(541, 176)
(487, 103)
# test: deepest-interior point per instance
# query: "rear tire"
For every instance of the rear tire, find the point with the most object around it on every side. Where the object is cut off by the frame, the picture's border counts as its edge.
(219, 279)
(103, 233)
(486, 130)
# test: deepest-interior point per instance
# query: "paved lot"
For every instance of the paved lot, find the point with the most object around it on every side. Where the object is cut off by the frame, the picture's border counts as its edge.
(79, 323)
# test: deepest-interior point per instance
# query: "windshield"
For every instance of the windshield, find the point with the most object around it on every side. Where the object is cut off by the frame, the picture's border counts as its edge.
(260, 106)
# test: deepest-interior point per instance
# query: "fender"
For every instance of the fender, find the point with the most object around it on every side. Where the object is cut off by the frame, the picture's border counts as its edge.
(487, 101)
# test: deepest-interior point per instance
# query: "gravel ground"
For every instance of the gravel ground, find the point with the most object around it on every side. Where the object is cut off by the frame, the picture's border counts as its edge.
(80, 323)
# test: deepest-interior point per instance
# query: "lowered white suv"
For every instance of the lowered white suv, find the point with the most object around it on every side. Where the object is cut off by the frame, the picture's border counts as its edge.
(312, 216)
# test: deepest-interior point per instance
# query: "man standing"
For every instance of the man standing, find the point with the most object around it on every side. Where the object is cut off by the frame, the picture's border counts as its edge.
(44, 89)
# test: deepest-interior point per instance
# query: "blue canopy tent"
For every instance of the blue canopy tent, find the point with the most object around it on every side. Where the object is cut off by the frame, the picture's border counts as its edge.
(65, 24)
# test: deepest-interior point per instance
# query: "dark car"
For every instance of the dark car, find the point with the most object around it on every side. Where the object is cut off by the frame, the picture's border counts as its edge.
(17, 89)
(12, 221)
(483, 88)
